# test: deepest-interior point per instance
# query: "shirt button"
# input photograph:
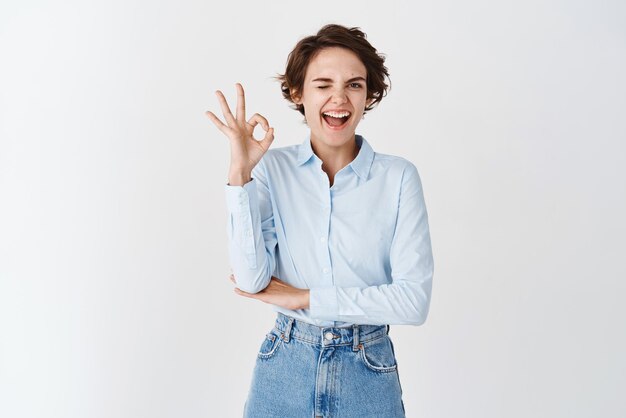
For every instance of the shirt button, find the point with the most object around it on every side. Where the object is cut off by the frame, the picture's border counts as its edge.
(325, 270)
(322, 239)
(328, 336)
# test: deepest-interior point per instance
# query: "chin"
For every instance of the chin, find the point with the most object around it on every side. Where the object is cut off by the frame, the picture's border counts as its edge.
(335, 139)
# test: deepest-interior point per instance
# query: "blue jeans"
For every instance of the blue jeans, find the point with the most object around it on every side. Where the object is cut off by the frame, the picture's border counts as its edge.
(306, 371)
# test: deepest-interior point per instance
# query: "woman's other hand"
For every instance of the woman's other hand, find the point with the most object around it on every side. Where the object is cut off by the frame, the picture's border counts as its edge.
(245, 150)
(279, 293)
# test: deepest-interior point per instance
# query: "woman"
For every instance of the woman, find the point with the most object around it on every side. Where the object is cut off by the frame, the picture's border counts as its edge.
(332, 234)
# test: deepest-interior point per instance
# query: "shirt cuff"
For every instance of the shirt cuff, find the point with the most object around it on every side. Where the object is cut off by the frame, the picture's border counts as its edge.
(323, 303)
(243, 206)
(241, 198)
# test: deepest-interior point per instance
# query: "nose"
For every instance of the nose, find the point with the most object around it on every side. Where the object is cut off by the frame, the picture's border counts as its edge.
(339, 96)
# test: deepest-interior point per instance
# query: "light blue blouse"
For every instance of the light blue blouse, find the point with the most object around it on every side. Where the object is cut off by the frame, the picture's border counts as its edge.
(362, 246)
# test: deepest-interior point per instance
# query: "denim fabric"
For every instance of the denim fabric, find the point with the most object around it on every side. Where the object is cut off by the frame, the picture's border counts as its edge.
(306, 371)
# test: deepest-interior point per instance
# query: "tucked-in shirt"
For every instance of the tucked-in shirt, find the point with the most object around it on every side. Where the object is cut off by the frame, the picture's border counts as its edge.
(362, 246)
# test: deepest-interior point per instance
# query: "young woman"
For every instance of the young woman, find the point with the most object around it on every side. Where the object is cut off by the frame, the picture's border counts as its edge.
(330, 233)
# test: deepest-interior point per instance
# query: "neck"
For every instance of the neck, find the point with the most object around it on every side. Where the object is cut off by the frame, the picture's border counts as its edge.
(335, 158)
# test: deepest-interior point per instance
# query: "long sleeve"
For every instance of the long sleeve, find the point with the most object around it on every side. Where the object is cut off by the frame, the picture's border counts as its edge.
(251, 232)
(407, 299)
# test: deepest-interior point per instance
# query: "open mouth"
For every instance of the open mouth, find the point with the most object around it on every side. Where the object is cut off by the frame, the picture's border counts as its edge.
(336, 120)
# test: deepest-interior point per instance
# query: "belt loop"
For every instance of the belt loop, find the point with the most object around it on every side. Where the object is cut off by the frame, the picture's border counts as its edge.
(388, 328)
(355, 337)
(287, 332)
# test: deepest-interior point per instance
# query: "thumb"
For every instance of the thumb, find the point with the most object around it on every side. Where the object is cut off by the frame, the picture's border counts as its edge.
(268, 139)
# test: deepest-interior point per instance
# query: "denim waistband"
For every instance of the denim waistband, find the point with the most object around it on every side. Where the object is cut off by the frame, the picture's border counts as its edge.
(290, 327)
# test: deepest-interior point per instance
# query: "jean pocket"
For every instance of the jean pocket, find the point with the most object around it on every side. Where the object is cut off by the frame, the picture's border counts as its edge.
(270, 344)
(378, 355)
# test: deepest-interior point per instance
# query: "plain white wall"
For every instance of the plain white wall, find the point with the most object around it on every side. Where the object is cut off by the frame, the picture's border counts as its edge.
(114, 291)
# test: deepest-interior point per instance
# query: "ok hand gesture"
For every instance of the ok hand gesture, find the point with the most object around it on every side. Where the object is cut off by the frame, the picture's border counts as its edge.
(245, 150)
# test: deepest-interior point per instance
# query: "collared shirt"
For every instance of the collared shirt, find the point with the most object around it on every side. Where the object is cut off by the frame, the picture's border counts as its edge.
(362, 246)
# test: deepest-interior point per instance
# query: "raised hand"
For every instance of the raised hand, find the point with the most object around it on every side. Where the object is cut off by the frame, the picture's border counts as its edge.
(245, 150)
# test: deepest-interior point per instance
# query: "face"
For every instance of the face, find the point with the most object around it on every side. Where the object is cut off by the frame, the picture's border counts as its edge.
(334, 96)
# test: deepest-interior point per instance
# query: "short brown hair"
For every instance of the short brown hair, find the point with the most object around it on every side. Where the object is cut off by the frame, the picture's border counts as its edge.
(333, 35)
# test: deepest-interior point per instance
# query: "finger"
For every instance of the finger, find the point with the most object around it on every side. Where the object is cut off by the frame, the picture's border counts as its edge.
(242, 293)
(241, 104)
(251, 295)
(225, 109)
(256, 119)
(216, 121)
(279, 283)
(267, 139)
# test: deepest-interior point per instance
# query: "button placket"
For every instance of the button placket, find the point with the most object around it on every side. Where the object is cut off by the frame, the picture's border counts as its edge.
(323, 233)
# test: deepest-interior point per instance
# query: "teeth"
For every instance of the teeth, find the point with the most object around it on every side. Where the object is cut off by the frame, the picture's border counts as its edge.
(337, 114)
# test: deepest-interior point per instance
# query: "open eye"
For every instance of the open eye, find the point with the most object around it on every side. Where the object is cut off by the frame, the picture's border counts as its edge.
(356, 85)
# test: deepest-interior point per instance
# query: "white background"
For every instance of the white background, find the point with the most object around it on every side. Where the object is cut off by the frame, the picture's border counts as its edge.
(114, 291)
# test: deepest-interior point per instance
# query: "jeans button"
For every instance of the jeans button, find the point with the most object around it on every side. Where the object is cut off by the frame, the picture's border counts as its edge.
(328, 336)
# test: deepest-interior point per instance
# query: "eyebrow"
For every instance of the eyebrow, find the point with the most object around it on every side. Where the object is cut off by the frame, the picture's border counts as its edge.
(329, 80)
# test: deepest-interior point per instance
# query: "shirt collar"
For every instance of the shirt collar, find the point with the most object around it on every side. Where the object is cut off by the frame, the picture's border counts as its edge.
(363, 161)
(361, 164)
(305, 152)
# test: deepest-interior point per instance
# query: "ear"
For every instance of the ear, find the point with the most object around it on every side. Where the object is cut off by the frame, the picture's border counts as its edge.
(295, 97)
(368, 102)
